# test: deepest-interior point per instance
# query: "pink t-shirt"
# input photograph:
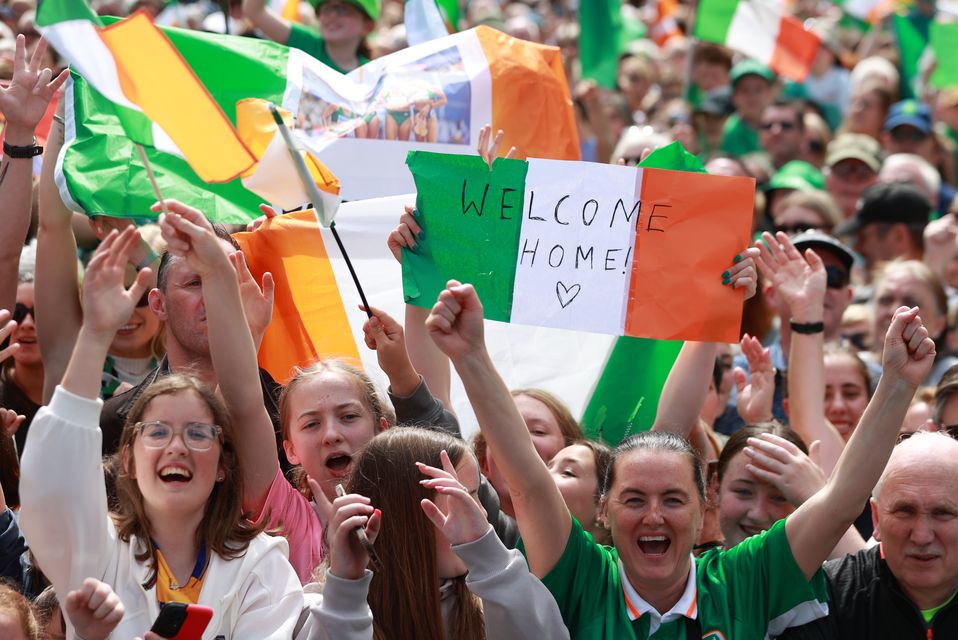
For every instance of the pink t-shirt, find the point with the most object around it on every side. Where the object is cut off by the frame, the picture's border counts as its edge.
(293, 516)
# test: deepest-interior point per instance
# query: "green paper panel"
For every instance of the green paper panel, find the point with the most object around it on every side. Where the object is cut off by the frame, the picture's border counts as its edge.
(470, 217)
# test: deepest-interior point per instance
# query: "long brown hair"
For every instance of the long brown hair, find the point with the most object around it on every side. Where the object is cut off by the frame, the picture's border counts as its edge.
(224, 526)
(404, 596)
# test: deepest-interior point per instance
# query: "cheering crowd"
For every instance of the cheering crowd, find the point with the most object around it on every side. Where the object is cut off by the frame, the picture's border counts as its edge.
(802, 483)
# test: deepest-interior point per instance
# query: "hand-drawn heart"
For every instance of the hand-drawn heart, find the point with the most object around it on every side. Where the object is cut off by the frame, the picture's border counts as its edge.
(567, 294)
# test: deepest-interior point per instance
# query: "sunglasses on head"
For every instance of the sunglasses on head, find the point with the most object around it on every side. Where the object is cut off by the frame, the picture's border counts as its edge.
(793, 229)
(20, 312)
(836, 277)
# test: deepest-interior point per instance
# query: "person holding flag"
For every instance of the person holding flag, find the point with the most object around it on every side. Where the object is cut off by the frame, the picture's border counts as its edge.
(343, 28)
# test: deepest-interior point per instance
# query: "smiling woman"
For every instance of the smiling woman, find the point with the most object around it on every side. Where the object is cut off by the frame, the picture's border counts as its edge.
(179, 534)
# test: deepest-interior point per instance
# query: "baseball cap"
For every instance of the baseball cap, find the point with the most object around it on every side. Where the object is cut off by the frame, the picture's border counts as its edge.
(813, 239)
(750, 68)
(857, 146)
(798, 175)
(892, 202)
(909, 112)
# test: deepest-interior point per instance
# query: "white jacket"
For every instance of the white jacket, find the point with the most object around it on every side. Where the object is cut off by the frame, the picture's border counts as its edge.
(515, 604)
(65, 520)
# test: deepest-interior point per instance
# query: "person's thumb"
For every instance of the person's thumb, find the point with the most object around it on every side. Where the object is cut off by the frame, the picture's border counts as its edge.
(815, 452)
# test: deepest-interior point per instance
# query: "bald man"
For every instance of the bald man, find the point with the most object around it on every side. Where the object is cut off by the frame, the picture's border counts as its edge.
(906, 586)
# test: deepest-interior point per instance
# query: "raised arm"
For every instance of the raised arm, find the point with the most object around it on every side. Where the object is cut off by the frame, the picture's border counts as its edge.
(64, 513)
(800, 281)
(817, 526)
(271, 24)
(688, 382)
(190, 236)
(456, 326)
(23, 104)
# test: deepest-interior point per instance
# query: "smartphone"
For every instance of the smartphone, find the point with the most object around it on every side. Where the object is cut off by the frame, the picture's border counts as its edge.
(181, 621)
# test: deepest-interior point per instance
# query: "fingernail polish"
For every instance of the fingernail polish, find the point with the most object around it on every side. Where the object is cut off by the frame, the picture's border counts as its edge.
(737, 259)
(725, 276)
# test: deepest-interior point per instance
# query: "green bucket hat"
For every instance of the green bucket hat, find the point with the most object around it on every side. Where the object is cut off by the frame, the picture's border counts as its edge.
(798, 175)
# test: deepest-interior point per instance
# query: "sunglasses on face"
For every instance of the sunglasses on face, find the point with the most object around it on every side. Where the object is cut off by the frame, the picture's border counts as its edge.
(793, 229)
(144, 300)
(857, 170)
(836, 277)
(950, 430)
(20, 312)
(785, 125)
(908, 134)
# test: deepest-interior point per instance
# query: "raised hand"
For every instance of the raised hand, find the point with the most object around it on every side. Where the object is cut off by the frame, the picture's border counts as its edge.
(348, 558)
(489, 145)
(94, 610)
(25, 100)
(404, 235)
(189, 235)
(107, 303)
(257, 299)
(10, 421)
(783, 465)
(909, 353)
(7, 326)
(800, 281)
(742, 274)
(384, 335)
(455, 321)
(463, 520)
(755, 398)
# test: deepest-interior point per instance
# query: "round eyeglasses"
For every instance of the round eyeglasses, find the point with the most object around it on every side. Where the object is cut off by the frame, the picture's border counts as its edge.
(197, 436)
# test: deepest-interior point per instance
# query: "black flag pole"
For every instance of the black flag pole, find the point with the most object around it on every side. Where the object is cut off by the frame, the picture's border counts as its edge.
(325, 218)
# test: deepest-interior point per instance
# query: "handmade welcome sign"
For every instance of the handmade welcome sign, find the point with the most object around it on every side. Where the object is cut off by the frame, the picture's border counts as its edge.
(576, 245)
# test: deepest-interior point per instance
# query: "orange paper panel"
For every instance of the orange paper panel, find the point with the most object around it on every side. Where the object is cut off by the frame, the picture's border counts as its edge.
(676, 288)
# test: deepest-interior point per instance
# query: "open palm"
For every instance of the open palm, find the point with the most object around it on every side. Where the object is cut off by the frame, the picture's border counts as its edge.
(25, 100)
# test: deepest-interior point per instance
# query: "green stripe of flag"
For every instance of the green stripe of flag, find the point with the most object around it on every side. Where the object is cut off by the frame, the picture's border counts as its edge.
(600, 34)
(52, 11)
(479, 194)
(911, 46)
(944, 42)
(713, 19)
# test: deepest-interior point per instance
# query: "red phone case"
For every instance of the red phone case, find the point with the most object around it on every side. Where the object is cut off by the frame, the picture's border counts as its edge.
(194, 624)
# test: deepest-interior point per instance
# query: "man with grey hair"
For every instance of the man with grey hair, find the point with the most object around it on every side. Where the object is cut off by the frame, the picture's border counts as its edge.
(906, 586)
(914, 170)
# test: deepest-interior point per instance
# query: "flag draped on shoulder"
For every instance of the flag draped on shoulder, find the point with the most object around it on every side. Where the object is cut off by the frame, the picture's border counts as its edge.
(760, 29)
(433, 96)
(157, 97)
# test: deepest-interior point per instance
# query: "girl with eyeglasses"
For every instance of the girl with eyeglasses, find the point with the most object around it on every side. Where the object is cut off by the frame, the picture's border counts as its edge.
(178, 532)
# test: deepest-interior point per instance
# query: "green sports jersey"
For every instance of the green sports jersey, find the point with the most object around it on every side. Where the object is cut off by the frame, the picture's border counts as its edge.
(739, 139)
(750, 591)
(307, 40)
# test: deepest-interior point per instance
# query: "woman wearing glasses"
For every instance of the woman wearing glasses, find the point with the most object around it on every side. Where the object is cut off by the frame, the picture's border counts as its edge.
(178, 534)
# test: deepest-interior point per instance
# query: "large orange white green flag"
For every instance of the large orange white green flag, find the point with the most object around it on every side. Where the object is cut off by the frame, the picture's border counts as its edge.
(584, 246)
(761, 29)
(435, 96)
(157, 97)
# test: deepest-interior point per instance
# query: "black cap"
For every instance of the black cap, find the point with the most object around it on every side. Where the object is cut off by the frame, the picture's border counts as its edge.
(890, 202)
(813, 239)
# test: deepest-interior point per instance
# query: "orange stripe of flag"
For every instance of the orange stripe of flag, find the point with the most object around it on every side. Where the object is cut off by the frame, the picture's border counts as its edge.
(530, 94)
(309, 320)
(676, 286)
(155, 76)
(795, 50)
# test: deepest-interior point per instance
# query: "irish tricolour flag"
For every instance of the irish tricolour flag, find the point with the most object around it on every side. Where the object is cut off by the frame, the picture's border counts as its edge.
(573, 245)
(154, 93)
(761, 29)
